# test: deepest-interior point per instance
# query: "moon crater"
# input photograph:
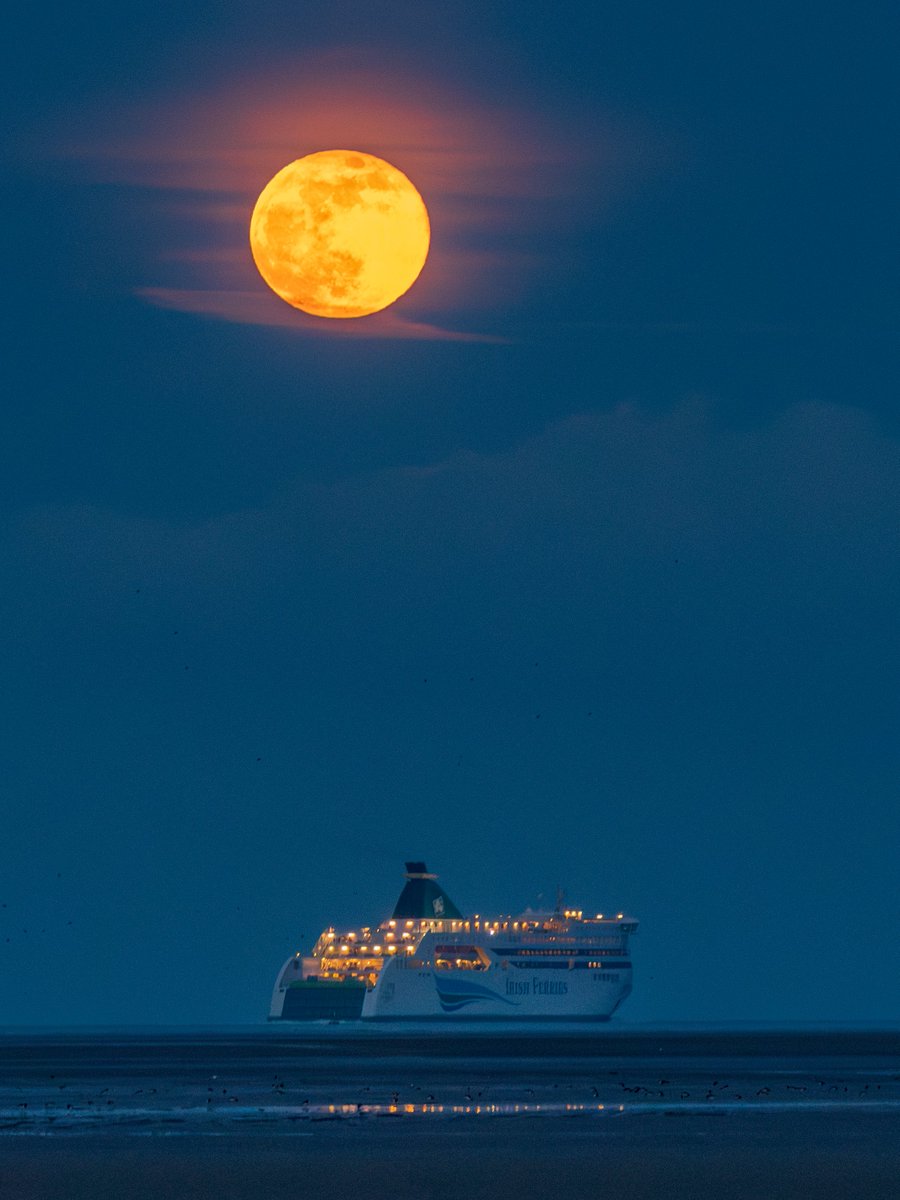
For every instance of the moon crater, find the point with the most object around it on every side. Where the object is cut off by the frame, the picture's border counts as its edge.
(339, 233)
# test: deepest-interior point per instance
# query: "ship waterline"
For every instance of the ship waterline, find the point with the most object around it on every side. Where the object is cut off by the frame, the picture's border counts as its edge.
(428, 960)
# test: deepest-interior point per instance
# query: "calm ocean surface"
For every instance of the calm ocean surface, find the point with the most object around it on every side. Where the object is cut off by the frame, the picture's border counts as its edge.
(425, 1112)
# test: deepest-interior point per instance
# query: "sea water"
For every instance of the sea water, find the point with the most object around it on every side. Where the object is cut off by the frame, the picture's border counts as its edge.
(424, 1110)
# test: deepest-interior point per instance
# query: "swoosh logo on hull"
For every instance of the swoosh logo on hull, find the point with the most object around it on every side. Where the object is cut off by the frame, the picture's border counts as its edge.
(455, 994)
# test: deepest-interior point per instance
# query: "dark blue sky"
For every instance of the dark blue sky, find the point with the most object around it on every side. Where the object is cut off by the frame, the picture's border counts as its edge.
(579, 567)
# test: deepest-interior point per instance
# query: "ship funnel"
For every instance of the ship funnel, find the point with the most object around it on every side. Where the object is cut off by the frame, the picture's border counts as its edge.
(418, 870)
(423, 899)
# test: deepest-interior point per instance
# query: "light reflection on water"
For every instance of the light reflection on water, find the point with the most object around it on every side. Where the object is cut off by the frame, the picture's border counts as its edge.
(210, 1084)
(285, 1119)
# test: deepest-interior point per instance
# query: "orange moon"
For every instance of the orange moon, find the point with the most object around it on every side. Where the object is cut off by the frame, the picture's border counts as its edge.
(339, 233)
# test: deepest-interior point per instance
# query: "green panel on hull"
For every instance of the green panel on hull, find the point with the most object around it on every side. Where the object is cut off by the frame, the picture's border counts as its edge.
(323, 1000)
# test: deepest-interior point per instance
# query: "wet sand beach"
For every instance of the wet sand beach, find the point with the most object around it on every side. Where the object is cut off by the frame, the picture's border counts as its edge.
(764, 1157)
(484, 1113)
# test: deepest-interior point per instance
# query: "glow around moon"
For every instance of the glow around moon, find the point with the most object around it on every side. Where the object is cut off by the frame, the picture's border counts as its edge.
(339, 233)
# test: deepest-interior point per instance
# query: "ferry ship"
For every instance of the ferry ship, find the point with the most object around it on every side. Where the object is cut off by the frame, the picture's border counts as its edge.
(428, 960)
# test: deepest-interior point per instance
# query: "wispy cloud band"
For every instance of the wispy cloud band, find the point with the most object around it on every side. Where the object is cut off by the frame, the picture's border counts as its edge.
(502, 185)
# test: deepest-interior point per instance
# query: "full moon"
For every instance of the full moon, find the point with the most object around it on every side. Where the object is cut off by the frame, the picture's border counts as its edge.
(339, 233)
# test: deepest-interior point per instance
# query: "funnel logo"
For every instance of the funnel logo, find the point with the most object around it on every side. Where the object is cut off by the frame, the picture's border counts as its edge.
(438, 905)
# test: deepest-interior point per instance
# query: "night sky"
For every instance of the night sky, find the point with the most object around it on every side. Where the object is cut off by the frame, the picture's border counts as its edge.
(576, 568)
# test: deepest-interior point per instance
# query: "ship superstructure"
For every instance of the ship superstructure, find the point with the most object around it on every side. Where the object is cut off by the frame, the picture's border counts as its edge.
(429, 960)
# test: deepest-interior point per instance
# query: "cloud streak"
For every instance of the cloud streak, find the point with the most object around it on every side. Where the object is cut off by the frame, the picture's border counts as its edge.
(258, 308)
(491, 176)
(807, 506)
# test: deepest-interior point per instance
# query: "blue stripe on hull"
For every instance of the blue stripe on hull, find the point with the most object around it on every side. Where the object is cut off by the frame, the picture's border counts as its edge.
(530, 964)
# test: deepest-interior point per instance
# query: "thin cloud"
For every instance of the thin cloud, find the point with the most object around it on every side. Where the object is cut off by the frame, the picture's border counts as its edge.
(258, 308)
(805, 505)
(492, 177)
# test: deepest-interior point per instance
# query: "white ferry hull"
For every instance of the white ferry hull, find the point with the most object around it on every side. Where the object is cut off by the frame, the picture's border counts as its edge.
(402, 992)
